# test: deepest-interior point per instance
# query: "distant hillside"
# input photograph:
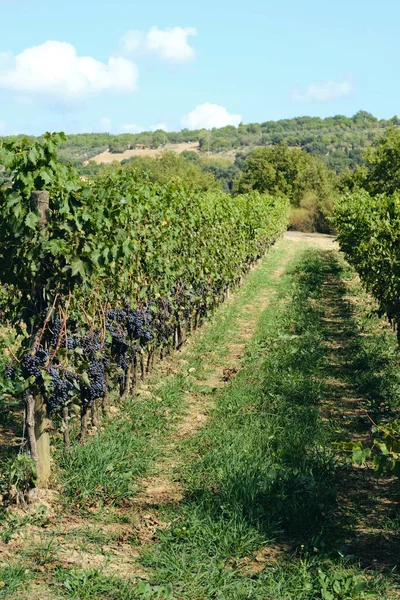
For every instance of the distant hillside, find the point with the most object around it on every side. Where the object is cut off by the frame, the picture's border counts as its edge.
(339, 140)
(108, 157)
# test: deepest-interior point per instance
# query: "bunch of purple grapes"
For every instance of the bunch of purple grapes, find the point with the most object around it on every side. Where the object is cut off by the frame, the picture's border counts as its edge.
(95, 356)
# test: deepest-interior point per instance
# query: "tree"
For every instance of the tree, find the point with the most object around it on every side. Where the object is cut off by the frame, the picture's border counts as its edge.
(116, 146)
(364, 118)
(291, 172)
(223, 170)
(316, 147)
(219, 143)
(383, 164)
(273, 170)
(258, 173)
(169, 166)
(159, 138)
(191, 156)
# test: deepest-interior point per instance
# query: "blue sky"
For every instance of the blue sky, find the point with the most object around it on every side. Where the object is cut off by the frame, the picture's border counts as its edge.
(83, 66)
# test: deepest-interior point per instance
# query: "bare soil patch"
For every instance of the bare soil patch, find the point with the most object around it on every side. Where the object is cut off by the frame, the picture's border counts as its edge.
(108, 157)
(322, 240)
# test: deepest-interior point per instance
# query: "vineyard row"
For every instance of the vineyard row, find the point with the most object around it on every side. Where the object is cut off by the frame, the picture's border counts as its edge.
(98, 276)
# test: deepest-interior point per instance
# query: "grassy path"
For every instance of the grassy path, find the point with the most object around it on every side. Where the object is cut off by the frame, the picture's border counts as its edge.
(219, 479)
(211, 360)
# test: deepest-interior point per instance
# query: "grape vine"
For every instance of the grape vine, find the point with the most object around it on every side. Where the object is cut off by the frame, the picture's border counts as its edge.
(369, 235)
(113, 269)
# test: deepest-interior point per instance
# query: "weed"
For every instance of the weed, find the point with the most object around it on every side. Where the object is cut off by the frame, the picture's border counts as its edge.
(23, 476)
(105, 468)
(10, 524)
(44, 554)
(89, 584)
(12, 578)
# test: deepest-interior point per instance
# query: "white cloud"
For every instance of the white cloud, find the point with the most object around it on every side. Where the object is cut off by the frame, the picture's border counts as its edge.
(132, 128)
(159, 126)
(207, 116)
(133, 41)
(323, 91)
(54, 69)
(171, 43)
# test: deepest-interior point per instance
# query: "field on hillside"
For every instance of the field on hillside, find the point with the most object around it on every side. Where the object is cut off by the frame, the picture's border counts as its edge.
(108, 157)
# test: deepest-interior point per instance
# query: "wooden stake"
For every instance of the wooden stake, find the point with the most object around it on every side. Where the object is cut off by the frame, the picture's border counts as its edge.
(30, 426)
(40, 200)
(95, 414)
(105, 405)
(142, 369)
(84, 422)
(65, 423)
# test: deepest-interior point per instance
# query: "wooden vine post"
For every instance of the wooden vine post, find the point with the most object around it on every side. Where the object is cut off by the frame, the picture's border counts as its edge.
(38, 424)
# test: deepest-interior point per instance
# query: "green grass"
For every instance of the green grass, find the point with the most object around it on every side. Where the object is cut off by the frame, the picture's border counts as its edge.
(211, 344)
(88, 584)
(105, 469)
(305, 578)
(263, 470)
(374, 355)
(12, 579)
(43, 554)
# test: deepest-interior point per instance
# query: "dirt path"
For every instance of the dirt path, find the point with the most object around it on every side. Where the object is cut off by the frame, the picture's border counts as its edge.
(164, 487)
(320, 240)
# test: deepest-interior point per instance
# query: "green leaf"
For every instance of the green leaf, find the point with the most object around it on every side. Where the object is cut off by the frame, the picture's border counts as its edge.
(31, 220)
(95, 256)
(33, 155)
(47, 379)
(78, 267)
(43, 173)
(360, 455)
(85, 378)
(13, 199)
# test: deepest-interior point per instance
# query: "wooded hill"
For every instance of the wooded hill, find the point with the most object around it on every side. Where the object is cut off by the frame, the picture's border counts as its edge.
(339, 140)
